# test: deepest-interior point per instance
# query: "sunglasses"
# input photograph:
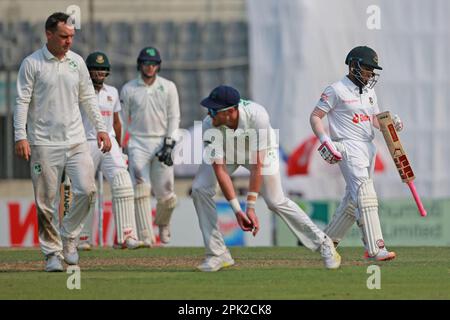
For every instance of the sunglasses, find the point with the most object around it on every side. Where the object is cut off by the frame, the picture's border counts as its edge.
(150, 63)
(213, 112)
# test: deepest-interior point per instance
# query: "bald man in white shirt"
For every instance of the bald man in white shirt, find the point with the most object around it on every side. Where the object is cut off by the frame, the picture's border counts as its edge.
(351, 105)
(51, 84)
(151, 114)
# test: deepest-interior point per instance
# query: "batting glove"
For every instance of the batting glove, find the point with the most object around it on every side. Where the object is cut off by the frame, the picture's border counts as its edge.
(398, 123)
(165, 154)
(329, 153)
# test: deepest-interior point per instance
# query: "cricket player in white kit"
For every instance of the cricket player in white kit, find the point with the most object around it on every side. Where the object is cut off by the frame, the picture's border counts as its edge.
(151, 113)
(351, 106)
(49, 132)
(237, 119)
(112, 164)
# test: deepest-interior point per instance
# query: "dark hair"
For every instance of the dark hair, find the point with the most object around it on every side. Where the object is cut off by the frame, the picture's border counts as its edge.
(52, 22)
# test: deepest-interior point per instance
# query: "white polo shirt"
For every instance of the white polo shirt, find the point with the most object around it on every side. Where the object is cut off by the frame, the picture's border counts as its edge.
(49, 95)
(108, 103)
(152, 111)
(349, 112)
(253, 128)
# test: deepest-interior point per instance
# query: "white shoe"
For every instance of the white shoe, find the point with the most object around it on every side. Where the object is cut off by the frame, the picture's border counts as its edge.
(215, 263)
(84, 246)
(131, 243)
(164, 233)
(147, 243)
(53, 263)
(70, 251)
(331, 257)
(382, 255)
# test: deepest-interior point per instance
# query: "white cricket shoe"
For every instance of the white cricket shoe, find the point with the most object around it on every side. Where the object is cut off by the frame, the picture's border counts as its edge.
(147, 243)
(382, 255)
(70, 251)
(53, 263)
(331, 257)
(84, 246)
(215, 263)
(131, 243)
(164, 233)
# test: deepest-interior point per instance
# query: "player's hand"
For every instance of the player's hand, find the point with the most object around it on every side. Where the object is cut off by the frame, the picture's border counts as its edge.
(23, 149)
(329, 153)
(103, 141)
(243, 221)
(253, 219)
(398, 123)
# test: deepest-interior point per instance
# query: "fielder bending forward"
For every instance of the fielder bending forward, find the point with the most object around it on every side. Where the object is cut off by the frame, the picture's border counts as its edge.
(150, 109)
(242, 118)
(112, 163)
(351, 106)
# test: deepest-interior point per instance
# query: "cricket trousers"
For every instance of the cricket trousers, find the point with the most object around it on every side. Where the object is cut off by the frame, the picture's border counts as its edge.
(47, 164)
(204, 190)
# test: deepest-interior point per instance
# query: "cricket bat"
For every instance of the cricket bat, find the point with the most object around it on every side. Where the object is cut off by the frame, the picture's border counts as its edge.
(399, 155)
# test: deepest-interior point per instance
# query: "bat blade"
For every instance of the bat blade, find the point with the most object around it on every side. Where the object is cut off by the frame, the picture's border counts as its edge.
(399, 156)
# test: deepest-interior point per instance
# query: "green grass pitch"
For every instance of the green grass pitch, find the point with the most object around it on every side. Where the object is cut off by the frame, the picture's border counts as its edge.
(286, 273)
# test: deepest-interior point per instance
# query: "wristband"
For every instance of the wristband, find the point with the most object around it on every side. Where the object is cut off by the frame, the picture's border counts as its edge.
(234, 203)
(251, 199)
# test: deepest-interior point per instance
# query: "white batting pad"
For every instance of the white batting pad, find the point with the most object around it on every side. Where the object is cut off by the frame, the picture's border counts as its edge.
(369, 221)
(143, 212)
(123, 206)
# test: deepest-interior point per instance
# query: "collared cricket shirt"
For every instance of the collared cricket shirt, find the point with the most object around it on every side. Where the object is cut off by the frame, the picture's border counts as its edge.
(349, 112)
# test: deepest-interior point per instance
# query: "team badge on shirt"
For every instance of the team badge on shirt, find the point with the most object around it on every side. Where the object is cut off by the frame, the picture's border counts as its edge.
(73, 65)
(109, 98)
(323, 97)
(371, 100)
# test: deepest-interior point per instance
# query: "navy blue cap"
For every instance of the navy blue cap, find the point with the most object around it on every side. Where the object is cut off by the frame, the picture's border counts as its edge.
(221, 97)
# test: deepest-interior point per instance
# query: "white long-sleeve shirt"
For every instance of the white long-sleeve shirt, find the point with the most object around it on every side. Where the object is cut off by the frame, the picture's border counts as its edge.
(150, 111)
(49, 95)
(108, 103)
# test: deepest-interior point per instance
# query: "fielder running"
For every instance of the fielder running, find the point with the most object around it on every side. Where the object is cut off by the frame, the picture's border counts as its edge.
(351, 106)
(112, 164)
(51, 84)
(236, 120)
(151, 113)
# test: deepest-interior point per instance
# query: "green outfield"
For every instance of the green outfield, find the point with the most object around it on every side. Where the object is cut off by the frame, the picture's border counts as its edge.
(260, 273)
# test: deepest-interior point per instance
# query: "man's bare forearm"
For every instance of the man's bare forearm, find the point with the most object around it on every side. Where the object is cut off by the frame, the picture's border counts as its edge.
(225, 183)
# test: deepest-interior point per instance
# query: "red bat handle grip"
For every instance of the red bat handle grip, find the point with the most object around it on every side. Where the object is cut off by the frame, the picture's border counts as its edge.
(412, 187)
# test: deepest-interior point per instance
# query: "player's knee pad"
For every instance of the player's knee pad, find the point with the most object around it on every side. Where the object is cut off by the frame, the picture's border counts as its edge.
(122, 186)
(142, 190)
(367, 197)
(369, 220)
(164, 210)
